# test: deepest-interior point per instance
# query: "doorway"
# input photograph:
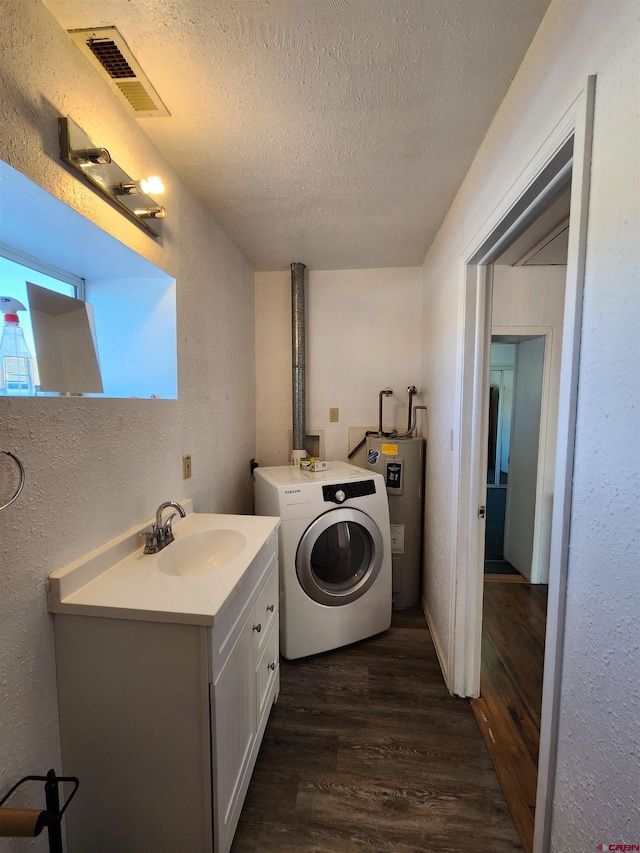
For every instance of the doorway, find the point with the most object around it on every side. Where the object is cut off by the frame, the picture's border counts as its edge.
(523, 386)
(520, 433)
(565, 156)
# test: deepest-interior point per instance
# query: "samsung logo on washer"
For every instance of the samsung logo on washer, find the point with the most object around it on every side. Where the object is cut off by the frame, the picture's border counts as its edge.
(296, 496)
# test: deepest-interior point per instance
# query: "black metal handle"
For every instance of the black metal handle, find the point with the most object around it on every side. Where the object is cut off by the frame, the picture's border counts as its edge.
(53, 814)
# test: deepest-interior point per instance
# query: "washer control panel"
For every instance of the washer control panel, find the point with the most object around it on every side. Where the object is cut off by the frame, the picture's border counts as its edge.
(338, 493)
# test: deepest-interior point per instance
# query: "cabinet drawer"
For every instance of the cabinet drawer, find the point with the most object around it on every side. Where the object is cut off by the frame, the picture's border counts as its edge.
(240, 604)
(267, 672)
(266, 609)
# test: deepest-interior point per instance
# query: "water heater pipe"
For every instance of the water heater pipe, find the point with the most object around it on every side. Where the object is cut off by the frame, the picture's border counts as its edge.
(412, 425)
(412, 391)
(386, 392)
(298, 361)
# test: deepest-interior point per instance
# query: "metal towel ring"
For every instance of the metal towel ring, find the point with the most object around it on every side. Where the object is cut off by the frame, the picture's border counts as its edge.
(19, 489)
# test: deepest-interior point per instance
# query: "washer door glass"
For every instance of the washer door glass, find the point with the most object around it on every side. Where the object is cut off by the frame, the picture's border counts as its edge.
(339, 556)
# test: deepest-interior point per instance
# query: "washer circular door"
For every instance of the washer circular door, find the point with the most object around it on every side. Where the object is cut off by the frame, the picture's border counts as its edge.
(339, 556)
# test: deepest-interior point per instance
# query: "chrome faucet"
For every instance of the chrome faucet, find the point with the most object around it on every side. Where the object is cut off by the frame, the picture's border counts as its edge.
(161, 534)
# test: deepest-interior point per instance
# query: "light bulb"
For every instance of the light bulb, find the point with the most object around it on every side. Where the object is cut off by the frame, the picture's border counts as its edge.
(152, 185)
(145, 186)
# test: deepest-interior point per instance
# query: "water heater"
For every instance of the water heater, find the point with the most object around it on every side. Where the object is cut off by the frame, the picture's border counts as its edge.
(401, 463)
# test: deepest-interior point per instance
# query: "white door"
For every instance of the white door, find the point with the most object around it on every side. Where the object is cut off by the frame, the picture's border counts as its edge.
(520, 517)
(233, 728)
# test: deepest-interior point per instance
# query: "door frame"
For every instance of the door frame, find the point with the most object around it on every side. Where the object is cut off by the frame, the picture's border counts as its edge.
(566, 154)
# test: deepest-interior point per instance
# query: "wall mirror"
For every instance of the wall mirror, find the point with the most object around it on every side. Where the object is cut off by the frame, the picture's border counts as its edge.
(116, 334)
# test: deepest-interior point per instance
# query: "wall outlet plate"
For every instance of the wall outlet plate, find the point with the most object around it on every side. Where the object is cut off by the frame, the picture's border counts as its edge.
(186, 467)
(334, 415)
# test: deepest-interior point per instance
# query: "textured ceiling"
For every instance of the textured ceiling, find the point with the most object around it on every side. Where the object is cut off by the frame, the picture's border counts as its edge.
(332, 132)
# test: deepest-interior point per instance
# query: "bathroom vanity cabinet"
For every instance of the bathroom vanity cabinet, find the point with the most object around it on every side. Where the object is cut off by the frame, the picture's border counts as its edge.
(162, 718)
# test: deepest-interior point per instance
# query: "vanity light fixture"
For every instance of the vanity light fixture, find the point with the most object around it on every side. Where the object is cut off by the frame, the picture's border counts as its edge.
(97, 167)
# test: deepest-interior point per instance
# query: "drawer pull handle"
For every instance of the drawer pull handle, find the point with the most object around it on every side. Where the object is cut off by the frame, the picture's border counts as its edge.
(271, 666)
(271, 607)
(257, 627)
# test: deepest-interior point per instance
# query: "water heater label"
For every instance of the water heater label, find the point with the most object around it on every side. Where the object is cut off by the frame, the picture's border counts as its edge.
(397, 538)
(394, 476)
(390, 449)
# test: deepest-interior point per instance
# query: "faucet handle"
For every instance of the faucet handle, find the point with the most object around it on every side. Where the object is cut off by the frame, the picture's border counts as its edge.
(167, 534)
(151, 540)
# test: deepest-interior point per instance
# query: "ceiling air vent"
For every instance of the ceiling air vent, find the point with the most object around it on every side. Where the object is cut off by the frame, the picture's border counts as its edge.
(109, 54)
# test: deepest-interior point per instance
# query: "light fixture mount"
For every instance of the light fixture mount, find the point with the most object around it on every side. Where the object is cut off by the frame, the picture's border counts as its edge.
(97, 167)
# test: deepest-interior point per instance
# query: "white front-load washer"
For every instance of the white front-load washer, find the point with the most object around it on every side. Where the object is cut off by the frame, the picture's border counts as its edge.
(335, 554)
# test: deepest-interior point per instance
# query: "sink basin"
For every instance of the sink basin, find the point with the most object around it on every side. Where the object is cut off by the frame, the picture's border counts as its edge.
(201, 552)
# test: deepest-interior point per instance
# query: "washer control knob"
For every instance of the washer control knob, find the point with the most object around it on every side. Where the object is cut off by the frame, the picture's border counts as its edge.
(340, 496)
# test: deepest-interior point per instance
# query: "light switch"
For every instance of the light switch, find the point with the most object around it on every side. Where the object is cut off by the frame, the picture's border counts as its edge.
(186, 467)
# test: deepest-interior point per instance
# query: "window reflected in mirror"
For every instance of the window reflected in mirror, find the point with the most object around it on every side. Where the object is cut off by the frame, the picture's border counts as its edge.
(65, 342)
(20, 353)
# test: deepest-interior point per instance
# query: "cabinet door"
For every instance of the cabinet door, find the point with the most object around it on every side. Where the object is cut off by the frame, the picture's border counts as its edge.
(233, 728)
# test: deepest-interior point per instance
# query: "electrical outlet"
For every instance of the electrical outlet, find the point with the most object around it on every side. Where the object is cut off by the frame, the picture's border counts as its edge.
(334, 415)
(186, 467)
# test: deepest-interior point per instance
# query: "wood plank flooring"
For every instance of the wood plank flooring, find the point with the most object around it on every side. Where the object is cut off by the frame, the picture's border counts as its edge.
(366, 750)
(508, 712)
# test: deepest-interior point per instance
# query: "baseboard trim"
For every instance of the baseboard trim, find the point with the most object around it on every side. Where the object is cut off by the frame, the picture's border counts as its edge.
(442, 660)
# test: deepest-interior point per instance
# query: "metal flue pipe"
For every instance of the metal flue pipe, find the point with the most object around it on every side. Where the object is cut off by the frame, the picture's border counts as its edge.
(298, 361)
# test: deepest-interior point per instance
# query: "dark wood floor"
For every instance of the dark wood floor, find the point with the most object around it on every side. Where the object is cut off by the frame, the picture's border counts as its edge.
(508, 712)
(366, 751)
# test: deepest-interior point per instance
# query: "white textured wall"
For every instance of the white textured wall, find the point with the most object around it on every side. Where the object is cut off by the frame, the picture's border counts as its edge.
(363, 334)
(439, 374)
(596, 797)
(598, 792)
(96, 467)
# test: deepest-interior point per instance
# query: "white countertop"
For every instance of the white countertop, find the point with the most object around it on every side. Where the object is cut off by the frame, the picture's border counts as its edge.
(117, 580)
